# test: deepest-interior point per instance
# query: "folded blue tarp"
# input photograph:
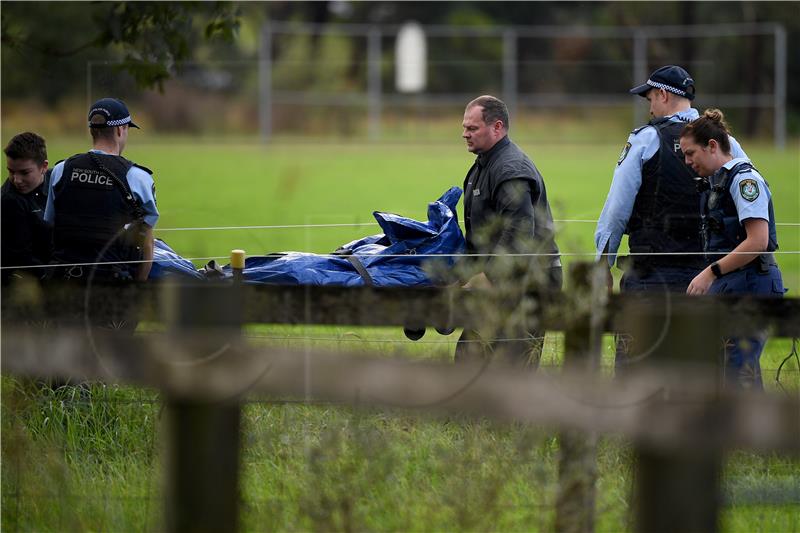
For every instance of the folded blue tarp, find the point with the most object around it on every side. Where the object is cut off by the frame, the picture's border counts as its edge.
(167, 263)
(394, 258)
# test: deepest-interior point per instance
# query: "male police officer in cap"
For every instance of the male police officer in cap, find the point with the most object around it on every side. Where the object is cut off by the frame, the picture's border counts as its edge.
(654, 197)
(505, 211)
(101, 205)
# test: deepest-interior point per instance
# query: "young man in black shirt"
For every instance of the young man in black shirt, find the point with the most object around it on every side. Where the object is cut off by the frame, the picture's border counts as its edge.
(26, 239)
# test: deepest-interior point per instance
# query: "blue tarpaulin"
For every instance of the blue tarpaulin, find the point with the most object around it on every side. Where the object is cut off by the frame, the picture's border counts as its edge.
(167, 263)
(392, 259)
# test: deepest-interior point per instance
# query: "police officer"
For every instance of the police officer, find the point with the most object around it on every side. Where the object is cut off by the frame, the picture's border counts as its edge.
(26, 239)
(653, 196)
(738, 228)
(505, 211)
(103, 206)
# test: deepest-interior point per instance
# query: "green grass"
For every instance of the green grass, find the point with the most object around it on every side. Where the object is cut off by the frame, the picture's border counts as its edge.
(73, 464)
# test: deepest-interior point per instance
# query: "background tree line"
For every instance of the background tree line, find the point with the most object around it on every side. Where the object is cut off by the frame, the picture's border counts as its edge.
(46, 45)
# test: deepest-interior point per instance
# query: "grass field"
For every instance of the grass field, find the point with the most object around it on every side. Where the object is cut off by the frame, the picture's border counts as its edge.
(78, 465)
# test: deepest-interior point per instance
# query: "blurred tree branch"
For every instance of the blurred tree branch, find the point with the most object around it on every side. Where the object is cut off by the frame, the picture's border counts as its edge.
(151, 36)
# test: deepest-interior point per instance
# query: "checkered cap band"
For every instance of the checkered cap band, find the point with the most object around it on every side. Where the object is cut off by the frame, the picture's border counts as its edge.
(118, 122)
(666, 87)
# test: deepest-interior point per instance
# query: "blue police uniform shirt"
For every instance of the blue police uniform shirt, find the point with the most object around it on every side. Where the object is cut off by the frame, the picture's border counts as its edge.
(752, 197)
(627, 179)
(140, 182)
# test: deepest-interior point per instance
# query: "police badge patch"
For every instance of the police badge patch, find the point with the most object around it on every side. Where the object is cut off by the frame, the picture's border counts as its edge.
(624, 153)
(749, 189)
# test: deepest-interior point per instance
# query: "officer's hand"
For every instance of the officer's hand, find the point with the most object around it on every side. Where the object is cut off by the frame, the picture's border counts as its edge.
(701, 283)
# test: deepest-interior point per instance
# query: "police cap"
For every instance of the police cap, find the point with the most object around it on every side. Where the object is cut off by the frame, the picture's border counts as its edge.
(670, 78)
(109, 112)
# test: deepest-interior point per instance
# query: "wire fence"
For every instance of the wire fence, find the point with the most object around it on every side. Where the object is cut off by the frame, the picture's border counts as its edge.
(302, 75)
(432, 255)
(86, 456)
(318, 465)
(372, 224)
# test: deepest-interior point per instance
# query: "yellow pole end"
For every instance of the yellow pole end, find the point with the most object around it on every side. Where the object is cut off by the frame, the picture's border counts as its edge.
(237, 259)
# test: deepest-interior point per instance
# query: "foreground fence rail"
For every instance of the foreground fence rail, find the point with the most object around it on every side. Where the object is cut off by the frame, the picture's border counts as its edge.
(204, 368)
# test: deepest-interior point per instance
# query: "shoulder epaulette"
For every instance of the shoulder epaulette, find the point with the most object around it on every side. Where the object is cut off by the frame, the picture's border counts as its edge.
(637, 130)
(660, 120)
(744, 166)
(143, 168)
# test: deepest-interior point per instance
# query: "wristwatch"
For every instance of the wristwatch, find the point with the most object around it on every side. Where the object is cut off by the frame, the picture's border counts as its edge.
(715, 270)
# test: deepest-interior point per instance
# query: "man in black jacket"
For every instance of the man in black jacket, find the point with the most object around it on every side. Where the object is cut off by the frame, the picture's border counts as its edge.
(505, 212)
(26, 239)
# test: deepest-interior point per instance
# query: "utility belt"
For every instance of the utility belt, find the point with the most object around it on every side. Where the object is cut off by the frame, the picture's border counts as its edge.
(100, 254)
(763, 262)
(108, 273)
(647, 264)
(479, 262)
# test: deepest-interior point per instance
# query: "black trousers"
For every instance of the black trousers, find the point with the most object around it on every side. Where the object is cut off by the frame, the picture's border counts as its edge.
(513, 345)
(653, 280)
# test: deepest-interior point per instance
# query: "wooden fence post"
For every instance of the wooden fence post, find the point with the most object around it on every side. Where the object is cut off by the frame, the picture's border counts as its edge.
(678, 489)
(577, 466)
(203, 438)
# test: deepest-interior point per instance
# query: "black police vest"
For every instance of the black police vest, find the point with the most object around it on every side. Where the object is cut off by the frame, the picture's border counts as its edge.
(92, 205)
(666, 212)
(721, 229)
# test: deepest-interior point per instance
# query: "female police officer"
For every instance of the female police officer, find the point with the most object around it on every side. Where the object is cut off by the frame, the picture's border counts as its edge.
(738, 228)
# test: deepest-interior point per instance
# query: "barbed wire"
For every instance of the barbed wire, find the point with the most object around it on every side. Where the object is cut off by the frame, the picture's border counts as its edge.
(439, 255)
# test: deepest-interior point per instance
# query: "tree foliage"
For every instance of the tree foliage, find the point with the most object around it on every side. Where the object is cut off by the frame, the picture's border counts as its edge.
(46, 45)
(147, 37)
